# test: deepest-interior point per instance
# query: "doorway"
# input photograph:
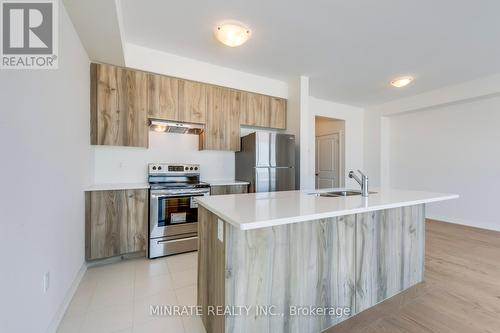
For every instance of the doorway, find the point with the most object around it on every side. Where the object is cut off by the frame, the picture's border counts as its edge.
(329, 170)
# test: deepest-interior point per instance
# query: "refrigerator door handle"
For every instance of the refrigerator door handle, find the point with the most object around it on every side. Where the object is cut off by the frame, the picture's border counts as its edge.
(262, 149)
(272, 179)
(272, 149)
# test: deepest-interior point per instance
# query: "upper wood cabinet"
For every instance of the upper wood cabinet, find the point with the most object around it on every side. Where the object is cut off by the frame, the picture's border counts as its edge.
(263, 111)
(192, 101)
(277, 117)
(123, 100)
(118, 106)
(116, 222)
(163, 100)
(222, 128)
(177, 100)
(255, 110)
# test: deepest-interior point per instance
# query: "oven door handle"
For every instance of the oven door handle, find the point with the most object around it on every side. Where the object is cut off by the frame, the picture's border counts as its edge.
(169, 195)
(176, 240)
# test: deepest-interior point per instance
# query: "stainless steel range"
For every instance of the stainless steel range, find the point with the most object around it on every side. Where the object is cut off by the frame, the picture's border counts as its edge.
(173, 210)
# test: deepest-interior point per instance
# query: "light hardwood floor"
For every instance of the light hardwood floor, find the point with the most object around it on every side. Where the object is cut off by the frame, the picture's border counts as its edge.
(461, 292)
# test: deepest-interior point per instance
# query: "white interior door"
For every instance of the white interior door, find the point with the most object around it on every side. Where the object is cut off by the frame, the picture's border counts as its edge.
(327, 161)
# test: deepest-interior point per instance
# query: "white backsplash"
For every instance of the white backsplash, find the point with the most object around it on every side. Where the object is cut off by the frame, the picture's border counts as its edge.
(129, 165)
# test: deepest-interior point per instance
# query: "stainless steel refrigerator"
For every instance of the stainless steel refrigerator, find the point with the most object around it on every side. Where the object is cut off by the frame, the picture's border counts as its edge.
(267, 162)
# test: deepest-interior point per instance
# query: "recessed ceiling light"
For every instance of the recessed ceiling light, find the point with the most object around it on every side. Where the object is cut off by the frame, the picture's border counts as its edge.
(232, 33)
(402, 81)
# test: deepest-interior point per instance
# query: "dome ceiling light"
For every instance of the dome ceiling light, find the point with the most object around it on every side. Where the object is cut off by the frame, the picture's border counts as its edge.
(402, 81)
(232, 33)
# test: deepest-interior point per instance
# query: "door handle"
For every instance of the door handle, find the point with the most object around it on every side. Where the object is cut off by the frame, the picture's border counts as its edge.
(176, 240)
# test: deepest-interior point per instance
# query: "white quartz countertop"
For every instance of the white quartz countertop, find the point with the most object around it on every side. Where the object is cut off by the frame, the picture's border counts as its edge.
(260, 210)
(222, 182)
(119, 186)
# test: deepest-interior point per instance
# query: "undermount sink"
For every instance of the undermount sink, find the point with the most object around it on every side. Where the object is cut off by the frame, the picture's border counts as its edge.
(341, 193)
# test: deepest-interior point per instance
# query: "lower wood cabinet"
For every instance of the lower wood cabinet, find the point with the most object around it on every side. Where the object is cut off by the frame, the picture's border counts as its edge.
(228, 189)
(116, 222)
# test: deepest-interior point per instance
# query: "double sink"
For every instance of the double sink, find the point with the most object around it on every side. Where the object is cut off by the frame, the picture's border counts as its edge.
(339, 193)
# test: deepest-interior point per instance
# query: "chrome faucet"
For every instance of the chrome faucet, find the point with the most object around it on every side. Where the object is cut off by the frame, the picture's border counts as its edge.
(363, 182)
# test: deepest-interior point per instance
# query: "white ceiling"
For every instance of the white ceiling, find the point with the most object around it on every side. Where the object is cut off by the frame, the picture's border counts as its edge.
(350, 49)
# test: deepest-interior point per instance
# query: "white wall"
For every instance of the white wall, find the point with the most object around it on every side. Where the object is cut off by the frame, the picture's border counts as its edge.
(169, 64)
(44, 139)
(129, 165)
(378, 119)
(124, 165)
(443, 141)
(452, 149)
(354, 137)
(293, 113)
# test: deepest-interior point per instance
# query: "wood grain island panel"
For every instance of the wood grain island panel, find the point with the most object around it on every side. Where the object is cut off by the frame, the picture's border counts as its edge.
(353, 261)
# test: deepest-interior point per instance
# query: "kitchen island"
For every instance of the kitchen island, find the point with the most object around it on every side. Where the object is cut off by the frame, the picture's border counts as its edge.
(297, 262)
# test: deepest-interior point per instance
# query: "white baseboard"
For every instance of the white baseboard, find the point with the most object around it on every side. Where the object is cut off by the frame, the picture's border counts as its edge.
(474, 224)
(54, 324)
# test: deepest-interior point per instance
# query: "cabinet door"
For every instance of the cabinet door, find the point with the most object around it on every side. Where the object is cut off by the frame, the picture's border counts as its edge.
(278, 113)
(163, 97)
(232, 119)
(136, 207)
(116, 222)
(222, 130)
(192, 101)
(256, 110)
(118, 107)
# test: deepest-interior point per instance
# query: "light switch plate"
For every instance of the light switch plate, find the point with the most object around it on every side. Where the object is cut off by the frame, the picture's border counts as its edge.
(220, 230)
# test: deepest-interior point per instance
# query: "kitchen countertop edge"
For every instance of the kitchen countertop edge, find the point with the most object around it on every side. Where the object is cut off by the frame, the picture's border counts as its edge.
(264, 223)
(229, 182)
(116, 187)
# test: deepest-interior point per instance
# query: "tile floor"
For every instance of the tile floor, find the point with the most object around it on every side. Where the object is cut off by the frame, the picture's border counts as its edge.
(116, 298)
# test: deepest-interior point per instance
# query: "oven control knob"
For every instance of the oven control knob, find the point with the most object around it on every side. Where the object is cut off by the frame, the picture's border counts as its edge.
(186, 168)
(191, 168)
(154, 168)
(196, 168)
(159, 168)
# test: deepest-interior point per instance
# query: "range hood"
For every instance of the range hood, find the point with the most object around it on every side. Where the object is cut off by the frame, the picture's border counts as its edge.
(175, 127)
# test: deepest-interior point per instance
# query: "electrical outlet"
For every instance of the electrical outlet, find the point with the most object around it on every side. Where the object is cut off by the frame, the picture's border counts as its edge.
(46, 282)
